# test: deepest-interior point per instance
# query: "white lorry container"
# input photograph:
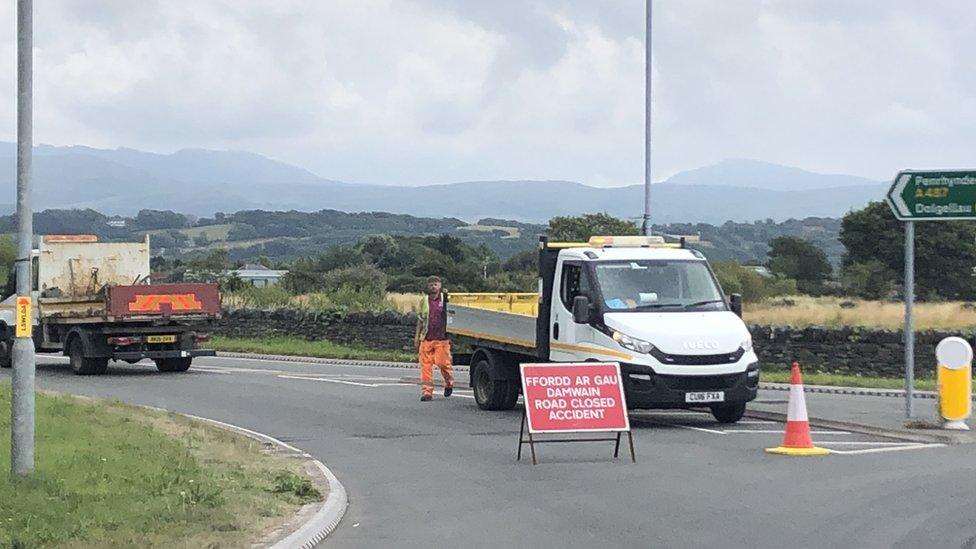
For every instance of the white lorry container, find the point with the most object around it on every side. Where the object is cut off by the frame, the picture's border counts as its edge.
(655, 308)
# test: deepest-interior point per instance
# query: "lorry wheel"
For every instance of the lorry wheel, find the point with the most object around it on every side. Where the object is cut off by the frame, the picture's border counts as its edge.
(497, 394)
(729, 413)
(173, 364)
(84, 366)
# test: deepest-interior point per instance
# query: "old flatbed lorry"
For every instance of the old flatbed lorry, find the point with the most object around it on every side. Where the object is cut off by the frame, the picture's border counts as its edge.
(93, 302)
(654, 307)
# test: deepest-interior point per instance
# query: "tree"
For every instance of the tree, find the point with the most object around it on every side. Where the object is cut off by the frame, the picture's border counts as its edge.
(581, 228)
(158, 219)
(945, 253)
(801, 260)
(8, 253)
(869, 280)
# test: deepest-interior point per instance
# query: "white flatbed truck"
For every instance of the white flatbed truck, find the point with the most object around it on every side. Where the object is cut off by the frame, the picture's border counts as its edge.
(654, 307)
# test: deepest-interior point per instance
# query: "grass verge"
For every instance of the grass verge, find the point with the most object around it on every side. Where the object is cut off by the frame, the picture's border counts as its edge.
(841, 380)
(300, 347)
(112, 475)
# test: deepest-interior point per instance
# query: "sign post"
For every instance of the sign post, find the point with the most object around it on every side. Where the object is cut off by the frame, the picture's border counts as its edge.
(940, 195)
(573, 398)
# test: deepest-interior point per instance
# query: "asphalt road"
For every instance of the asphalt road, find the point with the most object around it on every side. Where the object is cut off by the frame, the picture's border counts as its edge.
(443, 473)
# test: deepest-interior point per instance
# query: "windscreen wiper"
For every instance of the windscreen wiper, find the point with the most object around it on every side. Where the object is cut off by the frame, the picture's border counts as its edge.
(705, 302)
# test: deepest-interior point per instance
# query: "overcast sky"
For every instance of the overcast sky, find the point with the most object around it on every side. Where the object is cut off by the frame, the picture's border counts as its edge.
(430, 91)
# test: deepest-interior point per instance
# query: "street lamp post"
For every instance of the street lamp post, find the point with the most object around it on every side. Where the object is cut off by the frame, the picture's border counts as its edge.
(22, 401)
(646, 223)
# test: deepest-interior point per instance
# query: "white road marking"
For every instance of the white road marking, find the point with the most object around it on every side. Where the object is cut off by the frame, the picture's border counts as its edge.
(780, 432)
(227, 370)
(919, 446)
(344, 382)
(835, 442)
(754, 422)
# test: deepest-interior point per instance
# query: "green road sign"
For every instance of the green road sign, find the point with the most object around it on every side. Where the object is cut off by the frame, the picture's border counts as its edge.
(933, 196)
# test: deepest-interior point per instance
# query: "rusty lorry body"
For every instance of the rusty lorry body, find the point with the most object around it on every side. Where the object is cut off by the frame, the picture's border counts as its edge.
(94, 302)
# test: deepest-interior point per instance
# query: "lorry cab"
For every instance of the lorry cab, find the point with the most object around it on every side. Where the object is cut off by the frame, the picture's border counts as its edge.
(659, 311)
(654, 307)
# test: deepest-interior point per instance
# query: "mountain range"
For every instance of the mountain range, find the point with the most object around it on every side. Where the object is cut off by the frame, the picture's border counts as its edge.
(201, 182)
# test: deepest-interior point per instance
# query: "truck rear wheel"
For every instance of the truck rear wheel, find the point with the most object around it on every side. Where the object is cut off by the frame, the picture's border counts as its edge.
(729, 413)
(82, 365)
(173, 364)
(491, 393)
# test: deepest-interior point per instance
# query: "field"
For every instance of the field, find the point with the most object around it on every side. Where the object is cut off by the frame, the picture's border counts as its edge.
(213, 232)
(112, 475)
(836, 312)
(511, 232)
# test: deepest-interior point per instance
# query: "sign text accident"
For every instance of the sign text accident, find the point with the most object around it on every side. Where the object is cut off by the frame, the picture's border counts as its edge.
(573, 398)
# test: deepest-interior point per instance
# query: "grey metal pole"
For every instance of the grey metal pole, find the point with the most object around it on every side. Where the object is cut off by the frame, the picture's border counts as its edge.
(22, 407)
(909, 335)
(646, 223)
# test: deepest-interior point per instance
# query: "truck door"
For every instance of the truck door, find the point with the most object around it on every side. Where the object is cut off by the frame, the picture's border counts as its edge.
(565, 335)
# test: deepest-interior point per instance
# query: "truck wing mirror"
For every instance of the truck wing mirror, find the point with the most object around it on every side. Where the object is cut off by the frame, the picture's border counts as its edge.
(581, 309)
(735, 303)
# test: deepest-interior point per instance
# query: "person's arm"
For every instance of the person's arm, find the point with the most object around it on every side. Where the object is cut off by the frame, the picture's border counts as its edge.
(416, 335)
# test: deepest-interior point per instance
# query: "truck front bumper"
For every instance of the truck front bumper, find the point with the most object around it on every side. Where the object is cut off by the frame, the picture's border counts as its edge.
(646, 389)
(137, 355)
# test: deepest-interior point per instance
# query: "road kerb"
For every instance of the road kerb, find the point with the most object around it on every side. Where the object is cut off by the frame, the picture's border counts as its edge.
(326, 519)
(903, 435)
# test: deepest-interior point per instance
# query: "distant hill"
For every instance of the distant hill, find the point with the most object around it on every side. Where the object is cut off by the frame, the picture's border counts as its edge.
(201, 182)
(763, 175)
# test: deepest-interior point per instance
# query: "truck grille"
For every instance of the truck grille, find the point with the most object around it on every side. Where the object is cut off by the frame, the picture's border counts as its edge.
(697, 360)
(699, 383)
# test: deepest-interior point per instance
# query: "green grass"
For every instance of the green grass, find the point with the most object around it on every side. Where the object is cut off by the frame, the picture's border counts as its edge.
(301, 347)
(112, 475)
(842, 380)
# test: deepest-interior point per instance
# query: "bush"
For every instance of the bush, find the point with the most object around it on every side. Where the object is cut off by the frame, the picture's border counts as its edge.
(869, 280)
(736, 279)
(270, 297)
(361, 288)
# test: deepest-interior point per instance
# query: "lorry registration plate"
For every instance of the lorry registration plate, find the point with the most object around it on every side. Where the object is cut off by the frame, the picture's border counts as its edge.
(705, 396)
(161, 339)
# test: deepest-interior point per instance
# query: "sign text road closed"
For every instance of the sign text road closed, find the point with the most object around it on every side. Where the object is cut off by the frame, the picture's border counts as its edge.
(581, 397)
(933, 196)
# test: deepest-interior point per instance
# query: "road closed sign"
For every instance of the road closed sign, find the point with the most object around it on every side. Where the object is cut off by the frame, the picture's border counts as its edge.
(566, 398)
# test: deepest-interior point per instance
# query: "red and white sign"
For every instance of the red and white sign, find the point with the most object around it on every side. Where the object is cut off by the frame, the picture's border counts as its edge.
(584, 397)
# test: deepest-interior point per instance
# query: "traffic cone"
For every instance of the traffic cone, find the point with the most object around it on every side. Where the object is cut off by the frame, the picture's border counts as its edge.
(796, 440)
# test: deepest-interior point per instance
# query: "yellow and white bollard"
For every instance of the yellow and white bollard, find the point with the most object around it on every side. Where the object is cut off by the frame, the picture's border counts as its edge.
(955, 382)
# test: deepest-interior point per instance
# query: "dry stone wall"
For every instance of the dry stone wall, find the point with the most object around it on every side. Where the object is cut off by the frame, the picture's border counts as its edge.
(857, 351)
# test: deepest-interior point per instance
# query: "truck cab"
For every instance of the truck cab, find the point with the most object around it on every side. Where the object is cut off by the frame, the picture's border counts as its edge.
(656, 308)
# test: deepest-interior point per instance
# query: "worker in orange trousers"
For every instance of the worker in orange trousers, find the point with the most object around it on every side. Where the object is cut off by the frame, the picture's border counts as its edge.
(433, 347)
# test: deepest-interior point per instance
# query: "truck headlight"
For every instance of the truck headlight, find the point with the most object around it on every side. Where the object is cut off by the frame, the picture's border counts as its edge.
(746, 344)
(632, 343)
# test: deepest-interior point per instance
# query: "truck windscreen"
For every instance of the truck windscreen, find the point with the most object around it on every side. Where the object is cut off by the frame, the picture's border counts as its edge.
(658, 285)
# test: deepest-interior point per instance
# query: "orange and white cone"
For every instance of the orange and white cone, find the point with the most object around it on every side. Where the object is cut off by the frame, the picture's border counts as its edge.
(796, 440)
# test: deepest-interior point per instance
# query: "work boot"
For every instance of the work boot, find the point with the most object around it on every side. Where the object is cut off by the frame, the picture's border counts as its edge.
(425, 398)
(448, 391)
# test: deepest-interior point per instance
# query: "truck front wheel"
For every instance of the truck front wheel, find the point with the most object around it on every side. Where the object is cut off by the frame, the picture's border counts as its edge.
(173, 364)
(490, 393)
(729, 413)
(82, 365)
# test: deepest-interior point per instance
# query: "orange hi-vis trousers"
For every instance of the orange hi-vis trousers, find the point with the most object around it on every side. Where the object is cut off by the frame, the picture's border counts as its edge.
(435, 353)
